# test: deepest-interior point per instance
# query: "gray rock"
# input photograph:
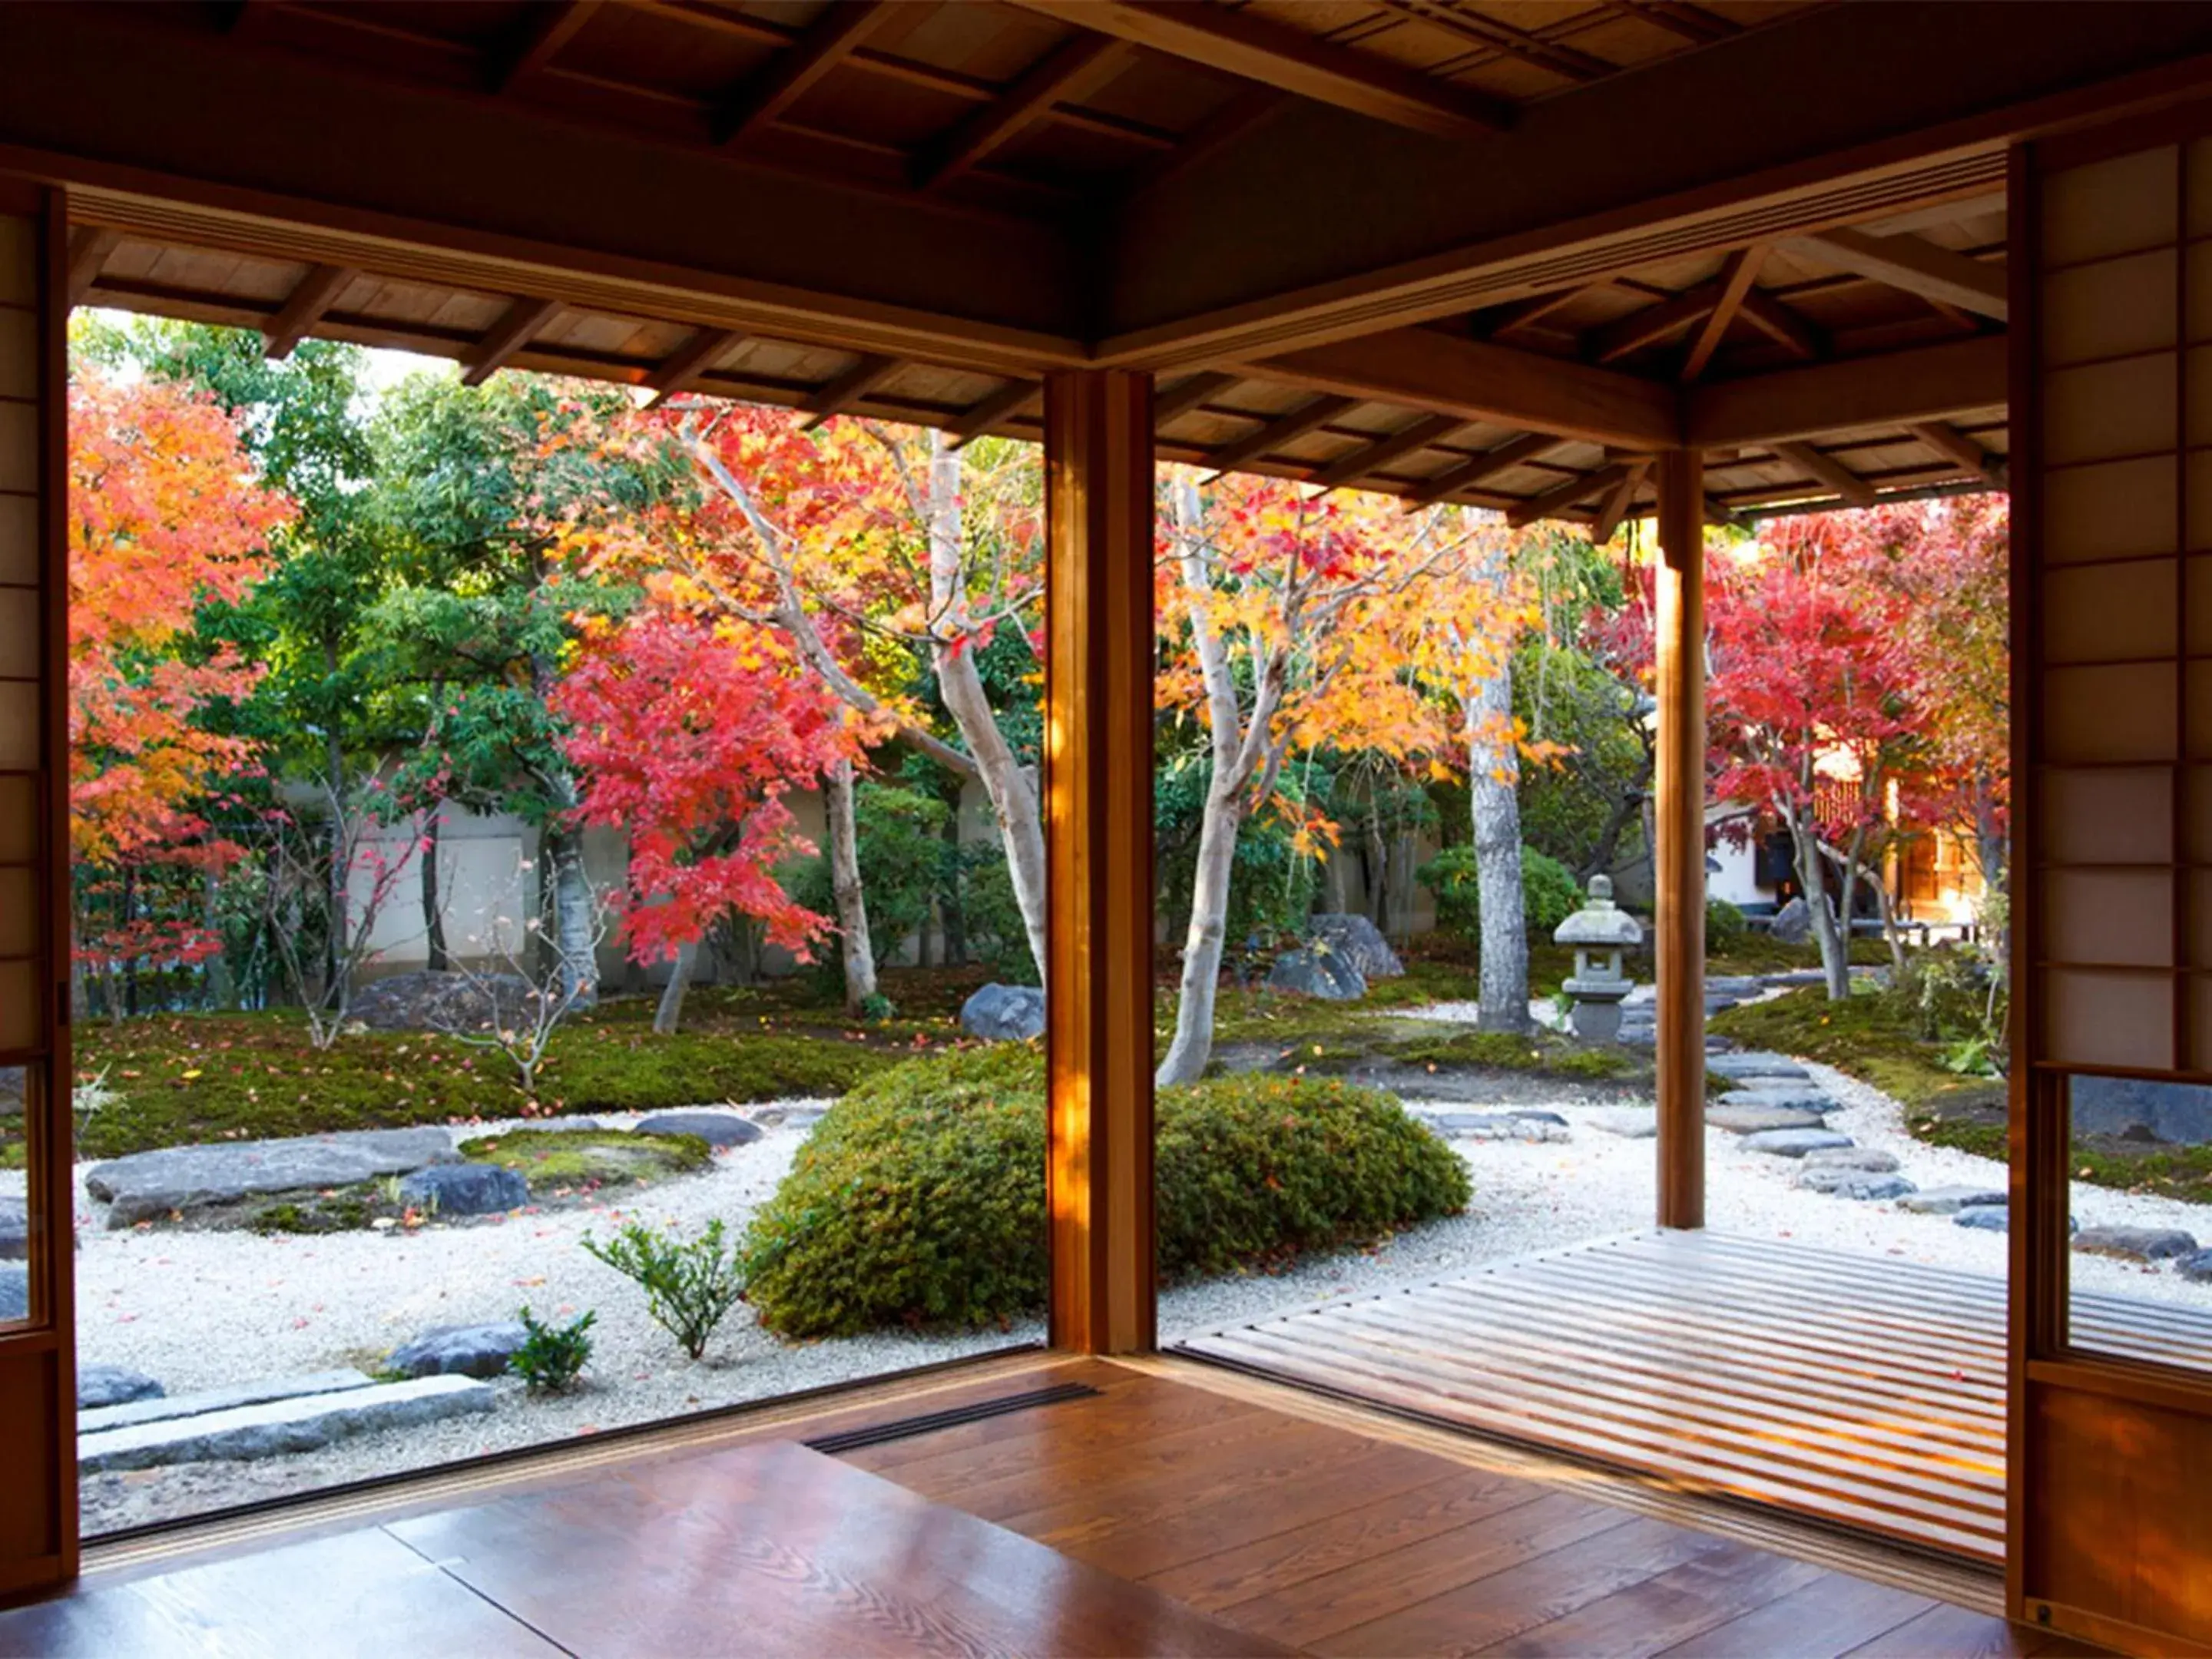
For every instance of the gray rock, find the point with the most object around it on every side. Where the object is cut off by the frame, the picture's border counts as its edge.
(1757, 1069)
(148, 1185)
(1987, 1217)
(1950, 1200)
(98, 1386)
(279, 1427)
(1793, 922)
(14, 1230)
(1793, 1143)
(13, 1081)
(2196, 1269)
(1790, 978)
(716, 1128)
(1719, 1004)
(1732, 985)
(1004, 1013)
(460, 1351)
(1790, 1096)
(1317, 974)
(451, 1189)
(1359, 940)
(1499, 1125)
(1629, 1122)
(14, 1291)
(209, 1401)
(577, 1126)
(1867, 1186)
(2136, 1243)
(423, 1000)
(1746, 1120)
(2179, 1114)
(1868, 1158)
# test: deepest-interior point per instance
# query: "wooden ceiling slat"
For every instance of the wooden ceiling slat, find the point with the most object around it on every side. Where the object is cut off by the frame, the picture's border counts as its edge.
(1568, 62)
(1918, 266)
(994, 411)
(508, 336)
(835, 35)
(1503, 459)
(1315, 412)
(1079, 64)
(317, 292)
(1372, 458)
(1187, 394)
(849, 388)
(1955, 446)
(1825, 469)
(683, 367)
(545, 28)
(1556, 501)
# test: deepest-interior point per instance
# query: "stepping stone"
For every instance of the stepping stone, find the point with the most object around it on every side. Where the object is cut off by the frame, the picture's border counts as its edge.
(146, 1186)
(716, 1128)
(460, 1351)
(1715, 1004)
(451, 1189)
(14, 1291)
(1793, 976)
(1988, 1218)
(2196, 1269)
(1793, 1143)
(1744, 1120)
(1869, 1158)
(1499, 1125)
(209, 1401)
(1866, 1185)
(1791, 1097)
(1758, 1065)
(1627, 1122)
(1733, 985)
(278, 1427)
(1950, 1200)
(14, 1230)
(2136, 1243)
(98, 1386)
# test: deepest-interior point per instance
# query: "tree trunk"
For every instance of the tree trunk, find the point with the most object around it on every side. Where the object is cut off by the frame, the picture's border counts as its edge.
(1378, 867)
(1493, 770)
(434, 911)
(1193, 1045)
(951, 917)
(670, 1010)
(222, 991)
(575, 931)
(844, 886)
(339, 962)
(1835, 955)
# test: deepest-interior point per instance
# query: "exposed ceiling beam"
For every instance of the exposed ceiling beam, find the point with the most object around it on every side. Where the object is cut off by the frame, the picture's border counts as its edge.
(1654, 323)
(1618, 503)
(1248, 109)
(1077, 66)
(1257, 48)
(680, 370)
(1556, 501)
(1444, 373)
(993, 411)
(1691, 22)
(1314, 412)
(1371, 457)
(848, 388)
(317, 292)
(533, 43)
(1568, 62)
(508, 336)
(1717, 512)
(1916, 266)
(1784, 325)
(1925, 383)
(1187, 394)
(1534, 309)
(1827, 470)
(1529, 446)
(763, 96)
(88, 248)
(1735, 281)
(1955, 446)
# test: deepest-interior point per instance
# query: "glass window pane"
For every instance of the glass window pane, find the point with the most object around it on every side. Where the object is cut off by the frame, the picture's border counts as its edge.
(2140, 1174)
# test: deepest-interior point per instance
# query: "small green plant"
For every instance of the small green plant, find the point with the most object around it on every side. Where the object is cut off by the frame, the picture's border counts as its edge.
(690, 1284)
(1725, 927)
(1549, 892)
(552, 1356)
(876, 1008)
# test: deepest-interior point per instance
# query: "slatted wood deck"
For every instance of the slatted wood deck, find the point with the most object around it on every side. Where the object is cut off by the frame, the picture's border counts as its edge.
(1861, 1390)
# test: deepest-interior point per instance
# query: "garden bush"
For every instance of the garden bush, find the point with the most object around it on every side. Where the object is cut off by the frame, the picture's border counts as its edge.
(919, 1198)
(1725, 927)
(1549, 893)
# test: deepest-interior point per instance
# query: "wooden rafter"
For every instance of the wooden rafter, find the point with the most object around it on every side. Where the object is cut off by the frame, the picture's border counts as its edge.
(1534, 309)
(1692, 22)
(1925, 383)
(1785, 327)
(1187, 394)
(89, 246)
(1617, 503)
(994, 411)
(1241, 114)
(508, 336)
(848, 388)
(317, 292)
(1624, 335)
(1957, 447)
(835, 36)
(1371, 457)
(1917, 265)
(1257, 48)
(680, 370)
(1560, 497)
(1735, 281)
(1529, 446)
(1568, 62)
(534, 42)
(1314, 412)
(1077, 66)
(1827, 470)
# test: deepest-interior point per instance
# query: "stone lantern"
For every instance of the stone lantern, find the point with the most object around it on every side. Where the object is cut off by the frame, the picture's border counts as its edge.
(1600, 931)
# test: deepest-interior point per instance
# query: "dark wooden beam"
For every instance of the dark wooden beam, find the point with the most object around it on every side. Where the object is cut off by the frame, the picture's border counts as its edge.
(1617, 339)
(1678, 934)
(1314, 412)
(848, 388)
(1249, 108)
(1783, 325)
(1188, 394)
(1618, 503)
(1556, 500)
(994, 411)
(1278, 55)
(1555, 57)
(1077, 66)
(833, 37)
(88, 248)
(683, 367)
(1692, 23)
(1736, 280)
(1530, 446)
(1925, 383)
(1956, 446)
(1827, 470)
(1917, 265)
(318, 291)
(524, 318)
(1521, 312)
(534, 42)
(1371, 457)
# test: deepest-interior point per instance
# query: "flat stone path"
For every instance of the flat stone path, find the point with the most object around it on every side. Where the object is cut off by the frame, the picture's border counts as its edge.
(277, 1428)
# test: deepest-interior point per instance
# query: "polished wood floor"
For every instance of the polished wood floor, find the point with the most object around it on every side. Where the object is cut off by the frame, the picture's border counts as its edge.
(1865, 1391)
(1154, 1516)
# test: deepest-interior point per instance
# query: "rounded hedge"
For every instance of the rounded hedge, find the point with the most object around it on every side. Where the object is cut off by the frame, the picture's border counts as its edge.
(919, 1199)
(1725, 926)
(1549, 892)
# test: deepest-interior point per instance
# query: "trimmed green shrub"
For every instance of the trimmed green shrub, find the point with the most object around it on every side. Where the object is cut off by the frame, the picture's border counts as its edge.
(1725, 927)
(551, 1356)
(1549, 893)
(919, 1198)
(690, 1284)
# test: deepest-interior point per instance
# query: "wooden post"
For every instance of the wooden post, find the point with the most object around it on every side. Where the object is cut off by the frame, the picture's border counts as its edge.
(1678, 947)
(1098, 806)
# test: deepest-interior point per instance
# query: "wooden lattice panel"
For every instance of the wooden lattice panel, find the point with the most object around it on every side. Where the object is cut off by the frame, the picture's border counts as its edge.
(21, 630)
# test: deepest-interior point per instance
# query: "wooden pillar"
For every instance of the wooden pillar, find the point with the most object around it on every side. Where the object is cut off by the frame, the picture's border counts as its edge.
(1099, 782)
(37, 1367)
(1679, 946)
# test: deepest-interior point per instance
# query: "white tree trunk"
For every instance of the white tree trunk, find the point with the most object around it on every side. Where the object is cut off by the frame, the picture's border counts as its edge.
(1192, 1047)
(669, 1011)
(1835, 955)
(844, 886)
(1493, 772)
